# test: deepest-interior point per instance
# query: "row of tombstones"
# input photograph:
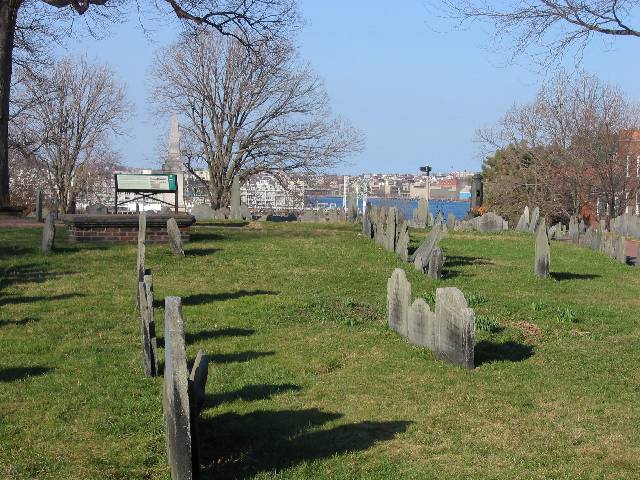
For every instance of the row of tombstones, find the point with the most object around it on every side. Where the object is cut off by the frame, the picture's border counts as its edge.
(448, 331)
(389, 229)
(184, 391)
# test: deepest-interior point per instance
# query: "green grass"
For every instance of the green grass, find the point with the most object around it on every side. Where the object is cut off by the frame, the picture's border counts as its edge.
(305, 380)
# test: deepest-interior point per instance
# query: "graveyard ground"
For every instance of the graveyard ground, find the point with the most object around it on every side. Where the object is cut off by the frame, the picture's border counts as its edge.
(305, 380)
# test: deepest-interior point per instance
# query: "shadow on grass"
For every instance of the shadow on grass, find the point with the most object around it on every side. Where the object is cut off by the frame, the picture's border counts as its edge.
(213, 223)
(19, 299)
(22, 322)
(78, 247)
(200, 236)
(462, 260)
(249, 393)
(487, 352)
(241, 446)
(19, 373)
(28, 273)
(223, 332)
(8, 251)
(202, 298)
(560, 276)
(201, 252)
(237, 357)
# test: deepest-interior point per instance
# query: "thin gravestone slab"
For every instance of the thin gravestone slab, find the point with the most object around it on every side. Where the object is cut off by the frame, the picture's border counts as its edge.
(455, 328)
(177, 412)
(147, 330)
(535, 218)
(402, 245)
(436, 261)
(175, 238)
(390, 230)
(197, 385)
(421, 324)
(48, 234)
(542, 251)
(398, 301)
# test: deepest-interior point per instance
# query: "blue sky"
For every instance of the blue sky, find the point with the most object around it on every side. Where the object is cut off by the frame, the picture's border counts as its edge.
(414, 84)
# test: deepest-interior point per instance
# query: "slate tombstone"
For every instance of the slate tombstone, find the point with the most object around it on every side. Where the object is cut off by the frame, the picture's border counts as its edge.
(197, 383)
(436, 261)
(421, 214)
(390, 230)
(543, 253)
(574, 232)
(620, 252)
(455, 328)
(451, 220)
(147, 327)
(402, 245)
(398, 301)
(489, 223)
(523, 222)
(367, 222)
(236, 213)
(175, 238)
(39, 206)
(420, 258)
(535, 218)
(48, 234)
(421, 324)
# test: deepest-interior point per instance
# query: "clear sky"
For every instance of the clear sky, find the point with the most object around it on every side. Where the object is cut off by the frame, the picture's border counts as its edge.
(414, 84)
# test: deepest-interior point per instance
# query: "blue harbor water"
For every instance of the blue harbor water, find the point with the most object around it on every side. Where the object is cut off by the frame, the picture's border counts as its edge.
(459, 209)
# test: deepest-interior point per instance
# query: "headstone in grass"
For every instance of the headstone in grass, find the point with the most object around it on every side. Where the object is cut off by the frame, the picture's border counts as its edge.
(142, 228)
(420, 216)
(535, 218)
(366, 221)
(197, 384)
(420, 258)
(596, 238)
(619, 249)
(431, 220)
(390, 230)
(553, 232)
(140, 270)
(523, 221)
(488, 223)
(402, 245)
(421, 324)
(582, 227)
(176, 404)
(175, 238)
(451, 221)
(39, 205)
(236, 213)
(543, 253)
(147, 328)
(455, 329)
(398, 301)
(440, 218)
(436, 261)
(574, 230)
(48, 234)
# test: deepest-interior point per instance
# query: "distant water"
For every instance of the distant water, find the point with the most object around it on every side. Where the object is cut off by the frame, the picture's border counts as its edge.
(459, 209)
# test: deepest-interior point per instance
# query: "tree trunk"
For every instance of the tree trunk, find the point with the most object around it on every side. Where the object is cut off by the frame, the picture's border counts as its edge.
(8, 17)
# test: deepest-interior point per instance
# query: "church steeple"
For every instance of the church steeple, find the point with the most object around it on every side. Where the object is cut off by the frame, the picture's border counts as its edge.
(174, 161)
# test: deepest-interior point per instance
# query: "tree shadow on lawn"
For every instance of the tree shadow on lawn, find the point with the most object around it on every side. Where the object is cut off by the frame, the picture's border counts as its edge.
(200, 236)
(20, 299)
(239, 357)
(220, 223)
(22, 322)
(28, 273)
(487, 352)
(8, 251)
(249, 393)
(241, 446)
(202, 298)
(201, 252)
(18, 373)
(561, 276)
(458, 261)
(209, 334)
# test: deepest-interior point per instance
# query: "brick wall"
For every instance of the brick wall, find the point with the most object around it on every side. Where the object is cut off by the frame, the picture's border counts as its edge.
(121, 234)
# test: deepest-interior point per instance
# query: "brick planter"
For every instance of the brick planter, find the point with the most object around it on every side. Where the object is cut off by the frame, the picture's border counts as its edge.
(123, 228)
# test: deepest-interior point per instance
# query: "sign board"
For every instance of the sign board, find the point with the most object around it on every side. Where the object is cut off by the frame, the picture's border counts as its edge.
(154, 182)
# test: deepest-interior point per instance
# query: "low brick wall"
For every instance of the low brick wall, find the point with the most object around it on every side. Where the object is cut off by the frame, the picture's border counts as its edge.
(123, 228)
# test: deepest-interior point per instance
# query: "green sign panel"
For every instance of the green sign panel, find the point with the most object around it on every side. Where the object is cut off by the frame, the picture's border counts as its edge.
(154, 182)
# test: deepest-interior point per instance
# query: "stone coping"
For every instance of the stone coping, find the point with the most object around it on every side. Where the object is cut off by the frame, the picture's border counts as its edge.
(124, 220)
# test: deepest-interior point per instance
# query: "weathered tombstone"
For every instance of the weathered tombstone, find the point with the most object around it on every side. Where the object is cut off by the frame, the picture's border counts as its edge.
(596, 238)
(175, 238)
(390, 230)
(352, 208)
(421, 214)
(523, 222)
(421, 324)
(543, 253)
(432, 222)
(142, 228)
(147, 327)
(140, 270)
(455, 328)
(398, 301)
(553, 232)
(402, 245)
(436, 260)
(236, 213)
(574, 231)
(489, 223)
(420, 258)
(48, 234)
(197, 383)
(477, 191)
(582, 226)
(451, 220)
(39, 206)
(367, 229)
(203, 212)
(619, 248)
(177, 412)
(535, 218)
(439, 218)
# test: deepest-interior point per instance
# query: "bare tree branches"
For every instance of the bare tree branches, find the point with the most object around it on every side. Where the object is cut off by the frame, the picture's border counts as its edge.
(248, 112)
(551, 27)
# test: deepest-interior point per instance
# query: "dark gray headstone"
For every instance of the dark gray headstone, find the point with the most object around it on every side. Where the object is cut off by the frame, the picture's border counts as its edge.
(535, 218)
(366, 222)
(574, 230)
(99, 209)
(236, 213)
(402, 245)
(543, 253)
(140, 270)
(48, 234)
(421, 214)
(421, 324)
(142, 228)
(390, 231)
(177, 413)
(620, 250)
(436, 262)
(455, 329)
(147, 328)
(398, 301)
(489, 223)
(420, 258)
(352, 207)
(175, 238)
(197, 383)
(39, 202)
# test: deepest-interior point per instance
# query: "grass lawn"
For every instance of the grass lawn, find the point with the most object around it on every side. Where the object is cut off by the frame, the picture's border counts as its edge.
(305, 380)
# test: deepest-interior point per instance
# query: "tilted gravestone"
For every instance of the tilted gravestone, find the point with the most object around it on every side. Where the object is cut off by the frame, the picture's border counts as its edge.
(147, 328)
(175, 238)
(398, 301)
(402, 245)
(421, 324)
(48, 234)
(543, 253)
(436, 261)
(535, 218)
(236, 213)
(420, 258)
(39, 206)
(421, 214)
(455, 328)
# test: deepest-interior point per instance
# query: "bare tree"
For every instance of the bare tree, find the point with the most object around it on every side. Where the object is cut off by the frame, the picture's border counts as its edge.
(571, 134)
(551, 27)
(25, 23)
(71, 114)
(248, 112)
